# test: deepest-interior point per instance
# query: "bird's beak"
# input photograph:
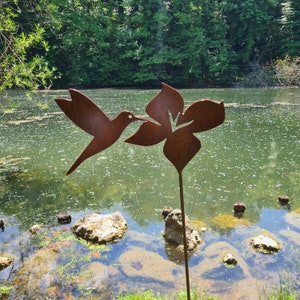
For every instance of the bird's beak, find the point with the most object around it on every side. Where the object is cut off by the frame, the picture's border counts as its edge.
(137, 118)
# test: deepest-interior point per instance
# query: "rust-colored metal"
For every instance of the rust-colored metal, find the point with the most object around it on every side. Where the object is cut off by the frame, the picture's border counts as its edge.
(167, 107)
(181, 144)
(88, 116)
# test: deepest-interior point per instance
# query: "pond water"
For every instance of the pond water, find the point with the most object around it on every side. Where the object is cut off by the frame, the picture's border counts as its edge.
(252, 158)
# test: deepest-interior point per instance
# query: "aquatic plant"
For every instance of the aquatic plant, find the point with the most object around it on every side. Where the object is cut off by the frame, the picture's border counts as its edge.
(4, 290)
(283, 292)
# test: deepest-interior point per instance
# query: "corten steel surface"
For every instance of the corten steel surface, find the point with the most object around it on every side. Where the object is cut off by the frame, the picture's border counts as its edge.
(181, 144)
(167, 107)
(89, 117)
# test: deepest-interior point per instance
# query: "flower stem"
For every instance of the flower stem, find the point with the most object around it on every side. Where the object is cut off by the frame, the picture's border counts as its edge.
(186, 259)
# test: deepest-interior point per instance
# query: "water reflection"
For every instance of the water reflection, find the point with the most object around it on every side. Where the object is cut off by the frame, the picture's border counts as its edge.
(252, 158)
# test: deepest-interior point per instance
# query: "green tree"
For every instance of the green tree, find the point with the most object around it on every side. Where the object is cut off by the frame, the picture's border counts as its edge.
(22, 63)
(146, 25)
(209, 50)
(134, 42)
(179, 41)
(290, 30)
(253, 31)
(89, 41)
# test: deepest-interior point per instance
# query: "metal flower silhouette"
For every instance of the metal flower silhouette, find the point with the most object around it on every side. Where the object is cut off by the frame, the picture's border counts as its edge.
(181, 144)
(89, 117)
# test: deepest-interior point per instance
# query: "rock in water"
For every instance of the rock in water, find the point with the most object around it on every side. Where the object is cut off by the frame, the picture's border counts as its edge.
(99, 228)
(64, 218)
(265, 244)
(283, 200)
(229, 260)
(166, 211)
(239, 207)
(36, 228)
(2, 225)
(5, 262)
(173, 230)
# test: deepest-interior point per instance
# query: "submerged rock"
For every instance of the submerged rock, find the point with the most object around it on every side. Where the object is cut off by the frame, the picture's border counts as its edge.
(8, 167)
(213, 262)
(143, 240)
(265, 244)
(198, 225)
(36, 228)
(229, 222)
(38, 272)
(138, 262)
(99, 228)
(175, 253)
(9, 172)
(215, 278)
(96, 275)
(174, 229)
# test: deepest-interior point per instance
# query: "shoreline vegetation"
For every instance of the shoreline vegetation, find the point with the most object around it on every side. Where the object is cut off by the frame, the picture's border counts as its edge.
(277, 295)
(198, 44)
(281, 294)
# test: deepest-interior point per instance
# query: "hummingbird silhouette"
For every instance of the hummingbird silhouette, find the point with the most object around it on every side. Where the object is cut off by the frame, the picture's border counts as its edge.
(88, 116)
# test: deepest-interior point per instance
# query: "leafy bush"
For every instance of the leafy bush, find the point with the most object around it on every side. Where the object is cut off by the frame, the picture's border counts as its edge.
(22, 64)
(287, 71)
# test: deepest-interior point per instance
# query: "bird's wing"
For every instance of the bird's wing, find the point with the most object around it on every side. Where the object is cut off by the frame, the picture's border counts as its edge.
(148, 134)
(95, 146)
(83, 112)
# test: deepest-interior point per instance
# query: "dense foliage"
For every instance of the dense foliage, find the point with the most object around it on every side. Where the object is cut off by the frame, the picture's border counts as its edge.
(190, 43)
(21, 51)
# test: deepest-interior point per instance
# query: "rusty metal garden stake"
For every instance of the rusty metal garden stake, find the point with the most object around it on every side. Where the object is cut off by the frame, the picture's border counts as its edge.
(181, 145)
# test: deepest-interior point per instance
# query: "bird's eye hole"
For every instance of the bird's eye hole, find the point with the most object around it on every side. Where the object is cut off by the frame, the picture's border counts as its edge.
(130, 116)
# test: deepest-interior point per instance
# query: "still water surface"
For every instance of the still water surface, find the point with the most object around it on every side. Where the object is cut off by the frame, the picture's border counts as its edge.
(253, 157)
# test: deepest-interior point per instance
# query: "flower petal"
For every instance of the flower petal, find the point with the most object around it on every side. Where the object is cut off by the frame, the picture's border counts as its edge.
(168, 100)
(181, 147)
(205, 114)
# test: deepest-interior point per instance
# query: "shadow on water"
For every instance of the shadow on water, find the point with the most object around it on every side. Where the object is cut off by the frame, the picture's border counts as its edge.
(252, 158)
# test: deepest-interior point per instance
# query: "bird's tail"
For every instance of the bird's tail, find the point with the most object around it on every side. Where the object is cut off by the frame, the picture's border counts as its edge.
(93, 148)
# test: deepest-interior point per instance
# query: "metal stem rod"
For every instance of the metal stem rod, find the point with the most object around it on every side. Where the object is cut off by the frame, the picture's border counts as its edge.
(186, 259)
